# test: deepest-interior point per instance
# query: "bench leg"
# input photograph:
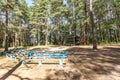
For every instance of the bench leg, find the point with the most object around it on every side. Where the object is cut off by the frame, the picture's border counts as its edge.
(23, 62)
(61, 62)
(40, 63)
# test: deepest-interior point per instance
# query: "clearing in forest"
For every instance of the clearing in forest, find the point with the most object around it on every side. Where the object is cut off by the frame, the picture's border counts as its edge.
(82, 63)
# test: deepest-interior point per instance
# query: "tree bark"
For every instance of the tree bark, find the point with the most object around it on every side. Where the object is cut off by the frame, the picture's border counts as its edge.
(74, 24)
(86, 24)
(6, 31)
(46, 33)
(16, 40)
(94, 30)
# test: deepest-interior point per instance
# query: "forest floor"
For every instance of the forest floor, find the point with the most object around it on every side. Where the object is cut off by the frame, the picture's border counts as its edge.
(82, 63)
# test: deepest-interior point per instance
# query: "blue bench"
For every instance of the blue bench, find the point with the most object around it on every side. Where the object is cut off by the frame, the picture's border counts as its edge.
(61, 55)
(31, 54)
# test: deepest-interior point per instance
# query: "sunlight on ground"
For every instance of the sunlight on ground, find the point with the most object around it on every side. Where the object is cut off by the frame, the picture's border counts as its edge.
(82, 64)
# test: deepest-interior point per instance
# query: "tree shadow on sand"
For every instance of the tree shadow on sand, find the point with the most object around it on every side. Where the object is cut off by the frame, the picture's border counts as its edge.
(20, 78)
(89, 63)
(10, 72)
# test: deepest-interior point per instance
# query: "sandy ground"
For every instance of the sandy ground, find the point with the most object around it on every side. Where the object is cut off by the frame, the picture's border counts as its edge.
(83, 63)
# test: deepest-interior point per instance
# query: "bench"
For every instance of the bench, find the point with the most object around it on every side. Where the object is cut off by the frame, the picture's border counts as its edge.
(50, 55)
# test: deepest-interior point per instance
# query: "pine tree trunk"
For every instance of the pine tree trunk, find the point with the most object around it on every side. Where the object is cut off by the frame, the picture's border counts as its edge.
(74, 24)
(6, 31)
(37, 36)
(46, 33)
(16, 40)
(0, 19)
(94, 30)
(13, 41)
(86, 24)
(119, 32)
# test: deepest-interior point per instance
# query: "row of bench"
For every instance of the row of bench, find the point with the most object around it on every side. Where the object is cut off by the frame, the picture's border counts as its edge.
(35, 54)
